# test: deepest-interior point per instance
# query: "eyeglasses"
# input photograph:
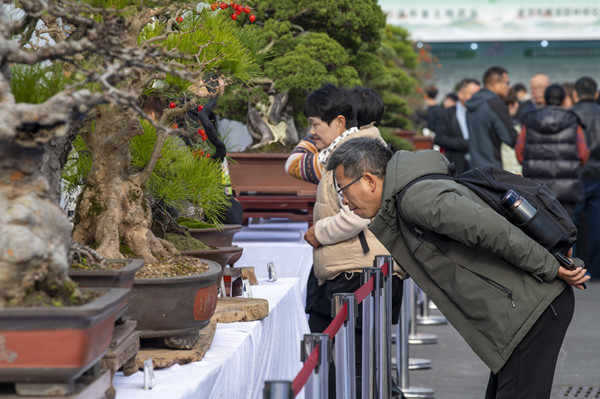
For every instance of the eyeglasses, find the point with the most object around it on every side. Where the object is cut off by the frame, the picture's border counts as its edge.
(341, 190)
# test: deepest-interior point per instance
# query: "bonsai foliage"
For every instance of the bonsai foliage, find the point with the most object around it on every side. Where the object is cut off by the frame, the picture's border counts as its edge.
(310, 43)
(105, 57)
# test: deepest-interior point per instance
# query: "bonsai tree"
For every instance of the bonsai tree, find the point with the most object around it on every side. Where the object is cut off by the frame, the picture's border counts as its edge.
(107, 57)
(315, 42)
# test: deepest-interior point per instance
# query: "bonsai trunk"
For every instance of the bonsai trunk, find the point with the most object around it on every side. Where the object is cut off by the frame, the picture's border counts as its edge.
(34, 231)
(112, 208)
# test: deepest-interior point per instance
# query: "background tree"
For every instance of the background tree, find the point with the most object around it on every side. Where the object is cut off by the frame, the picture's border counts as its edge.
(315, 42)
(108, 56)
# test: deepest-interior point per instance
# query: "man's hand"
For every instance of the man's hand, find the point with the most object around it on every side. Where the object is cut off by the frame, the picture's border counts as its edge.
(575, 277)
(310, 238)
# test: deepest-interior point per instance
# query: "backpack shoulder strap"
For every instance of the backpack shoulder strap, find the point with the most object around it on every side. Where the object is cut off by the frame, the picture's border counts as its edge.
(440, 241)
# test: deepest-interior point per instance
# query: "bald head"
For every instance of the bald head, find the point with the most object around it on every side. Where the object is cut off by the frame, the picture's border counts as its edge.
(538, 84)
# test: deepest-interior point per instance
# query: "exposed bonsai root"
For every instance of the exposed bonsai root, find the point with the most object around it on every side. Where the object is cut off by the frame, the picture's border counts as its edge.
(80, 254)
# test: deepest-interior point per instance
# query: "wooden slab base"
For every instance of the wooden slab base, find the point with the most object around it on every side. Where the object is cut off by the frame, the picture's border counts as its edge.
(162, 356)
(231, 310)
(228, 310)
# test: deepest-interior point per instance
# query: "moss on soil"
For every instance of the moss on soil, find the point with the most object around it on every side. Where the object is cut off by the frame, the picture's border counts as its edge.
(66, 294)
(194, 223)
(187, 242)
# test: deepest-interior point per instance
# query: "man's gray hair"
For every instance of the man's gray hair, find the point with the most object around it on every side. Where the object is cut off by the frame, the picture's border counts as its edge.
(361, 155)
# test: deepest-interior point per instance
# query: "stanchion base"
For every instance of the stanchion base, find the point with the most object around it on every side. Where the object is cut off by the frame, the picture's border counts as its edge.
(414, 364)
(418, 392)
(431, 320)
(418, 364)
(422, 339)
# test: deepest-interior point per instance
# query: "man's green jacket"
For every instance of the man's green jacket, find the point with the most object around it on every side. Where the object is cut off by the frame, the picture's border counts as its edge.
(493, 281)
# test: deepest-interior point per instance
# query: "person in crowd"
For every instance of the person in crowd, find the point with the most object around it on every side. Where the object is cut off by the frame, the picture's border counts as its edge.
(552, 149)
(453, 137)
(587, 213)
(488, 120)
(506, 295)
(537, 85)
(450, 100)
(433, 111)
(521, 92)
(507, 153)
(342, 244)
(568, 101)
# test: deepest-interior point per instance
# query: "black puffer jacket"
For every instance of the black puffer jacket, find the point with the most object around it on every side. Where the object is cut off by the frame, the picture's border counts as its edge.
(550, 155)
(589, 115)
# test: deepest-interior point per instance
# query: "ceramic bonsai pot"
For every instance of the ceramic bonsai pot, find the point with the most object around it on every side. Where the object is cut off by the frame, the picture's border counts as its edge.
(119, 278)
(220, 255)
(216, 237)
(174, 306)
(264, 173)
(55, 345)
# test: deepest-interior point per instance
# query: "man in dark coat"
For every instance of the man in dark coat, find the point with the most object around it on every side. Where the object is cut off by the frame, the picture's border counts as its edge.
(488, 120)
(453, 135)
(588, 211)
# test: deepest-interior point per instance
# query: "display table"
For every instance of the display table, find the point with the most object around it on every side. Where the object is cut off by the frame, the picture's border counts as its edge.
(241, 357)
(280, 242)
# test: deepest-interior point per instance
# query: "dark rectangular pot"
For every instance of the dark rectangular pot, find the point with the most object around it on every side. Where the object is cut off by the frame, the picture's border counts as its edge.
(170, 306)
(216, 236)
(56, 344)
(120, 278)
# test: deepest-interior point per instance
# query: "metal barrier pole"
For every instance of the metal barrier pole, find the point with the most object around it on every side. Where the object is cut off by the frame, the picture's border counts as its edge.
(402, 341)
(370, 330)
(345, 359)
(385, 344)
(317, 385)
(413, 363)
(417, 338)
(278, 390)
(424, 318)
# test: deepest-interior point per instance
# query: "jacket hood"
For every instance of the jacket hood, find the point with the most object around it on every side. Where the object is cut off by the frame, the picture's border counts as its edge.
(550, 119)
(479, 98)
(405, 166)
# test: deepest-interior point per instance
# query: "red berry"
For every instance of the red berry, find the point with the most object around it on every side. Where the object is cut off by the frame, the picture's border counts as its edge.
(203, 138)
(252, 18)
(214, 6)
(247, 10)
(201, 132)
(224, 6)
(234, 16)
(200, 107)
(179, 19)
(207, 155)
(174, 126)
(172, 105)
(238, 11)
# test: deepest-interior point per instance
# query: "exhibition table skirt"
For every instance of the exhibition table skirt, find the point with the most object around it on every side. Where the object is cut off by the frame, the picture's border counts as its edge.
(241, 357)
(280, 242)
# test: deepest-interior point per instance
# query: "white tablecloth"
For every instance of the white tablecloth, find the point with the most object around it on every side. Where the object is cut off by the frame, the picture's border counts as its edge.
(241, 357)
(279, 241)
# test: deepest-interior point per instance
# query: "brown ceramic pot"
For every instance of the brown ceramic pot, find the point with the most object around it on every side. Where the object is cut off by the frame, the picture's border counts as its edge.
(56, 344)
(120, 278)
(216, 237)
(171, 306)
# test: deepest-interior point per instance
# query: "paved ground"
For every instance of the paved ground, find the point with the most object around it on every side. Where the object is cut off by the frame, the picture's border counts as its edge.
(457, 373)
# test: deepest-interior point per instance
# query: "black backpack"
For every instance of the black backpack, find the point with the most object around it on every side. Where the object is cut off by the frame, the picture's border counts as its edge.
(551, 225)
